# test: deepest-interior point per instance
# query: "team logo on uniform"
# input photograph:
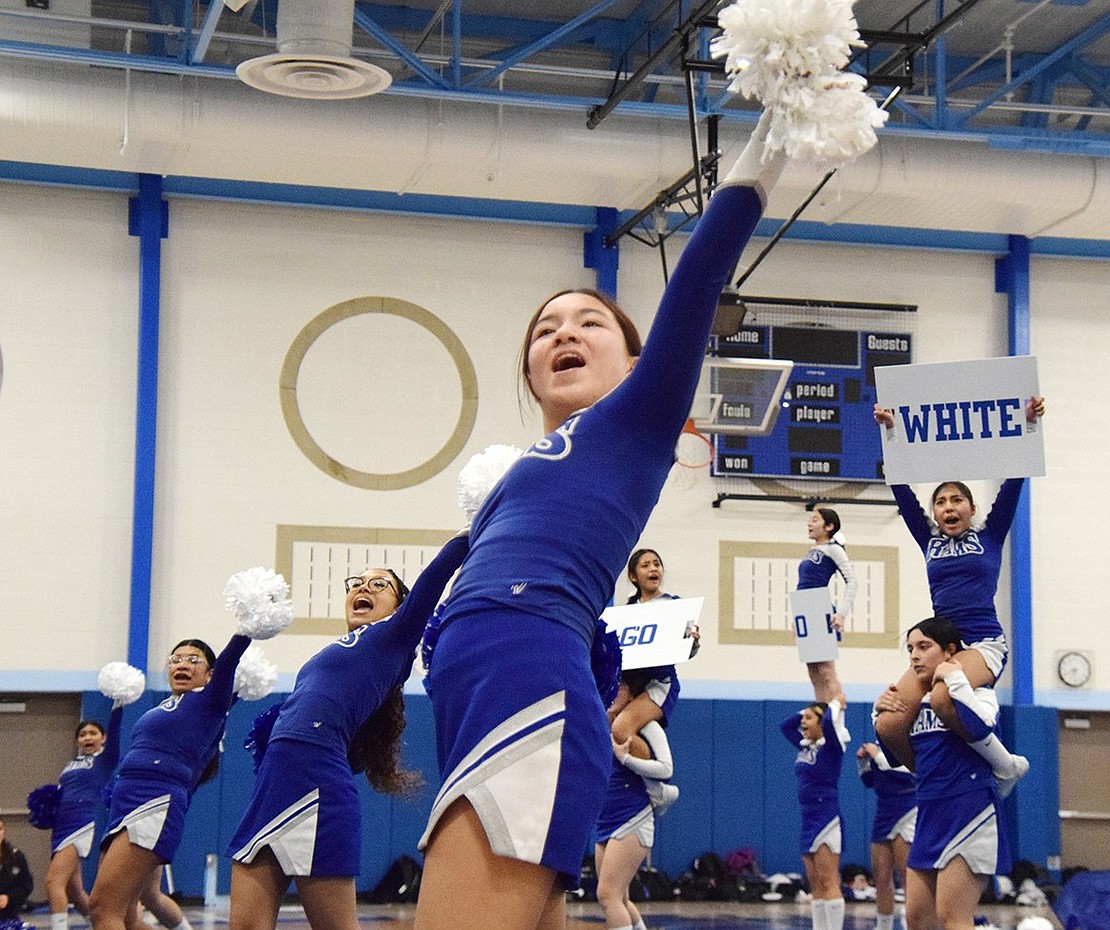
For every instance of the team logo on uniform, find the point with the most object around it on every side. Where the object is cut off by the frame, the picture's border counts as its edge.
(519, 587)
(816, 556)
(557, 445)
(350, 639)
(171, 702)
(951, 548)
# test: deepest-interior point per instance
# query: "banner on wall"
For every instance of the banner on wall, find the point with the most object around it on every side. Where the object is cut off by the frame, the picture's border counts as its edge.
(962, 420)
(655, 633)
(811, 619)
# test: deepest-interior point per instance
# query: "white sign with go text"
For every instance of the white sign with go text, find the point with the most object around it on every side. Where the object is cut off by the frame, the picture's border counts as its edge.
(962, 420)
(654, 633)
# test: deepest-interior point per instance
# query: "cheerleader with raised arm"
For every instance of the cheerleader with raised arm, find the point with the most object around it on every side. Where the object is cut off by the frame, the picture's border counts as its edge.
(963, 560)
(818, 733)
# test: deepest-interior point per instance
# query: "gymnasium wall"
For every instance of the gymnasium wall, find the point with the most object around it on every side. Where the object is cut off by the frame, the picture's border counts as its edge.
(241, 281)
(733, 767)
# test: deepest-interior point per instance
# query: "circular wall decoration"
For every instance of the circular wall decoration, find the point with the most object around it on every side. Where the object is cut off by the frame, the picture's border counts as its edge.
(378, 481)
(1074, 668)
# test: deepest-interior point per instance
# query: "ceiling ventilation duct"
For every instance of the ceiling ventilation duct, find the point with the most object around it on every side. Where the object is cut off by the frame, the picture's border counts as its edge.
(313, 59)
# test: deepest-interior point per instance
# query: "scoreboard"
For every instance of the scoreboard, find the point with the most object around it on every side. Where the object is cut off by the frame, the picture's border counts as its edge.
(824, 426)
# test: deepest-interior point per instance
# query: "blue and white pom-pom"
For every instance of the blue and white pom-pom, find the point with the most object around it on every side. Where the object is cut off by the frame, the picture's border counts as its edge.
(789, 56)
(255, 676)
(42, 806)
(481, 473)
(259, 598)
(121, 682)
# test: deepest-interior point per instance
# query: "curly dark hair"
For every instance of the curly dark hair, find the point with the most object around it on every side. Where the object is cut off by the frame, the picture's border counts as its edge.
(376, 749)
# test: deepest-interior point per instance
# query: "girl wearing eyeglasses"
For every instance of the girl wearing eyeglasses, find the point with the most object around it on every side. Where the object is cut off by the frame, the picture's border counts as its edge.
(345, 715)
(82, 782)
(173, 748)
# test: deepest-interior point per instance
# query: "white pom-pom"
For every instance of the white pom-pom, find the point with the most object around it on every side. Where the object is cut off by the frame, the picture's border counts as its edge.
(259, 598)
(767, 43)
(1035, 923)
(255, 675)
(121, 682)
(481, 473)
(829, 121)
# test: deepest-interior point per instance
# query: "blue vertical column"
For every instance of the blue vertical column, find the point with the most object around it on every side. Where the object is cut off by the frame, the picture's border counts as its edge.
(1011, 277)
(1032, 814)
(604, 259)
(148, 219)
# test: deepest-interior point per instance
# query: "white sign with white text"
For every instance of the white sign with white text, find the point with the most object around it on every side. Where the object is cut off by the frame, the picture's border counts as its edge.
(960, 420)
(654, 633)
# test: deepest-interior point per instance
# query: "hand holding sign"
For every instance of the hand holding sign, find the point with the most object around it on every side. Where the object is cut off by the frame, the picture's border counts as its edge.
(962, 418)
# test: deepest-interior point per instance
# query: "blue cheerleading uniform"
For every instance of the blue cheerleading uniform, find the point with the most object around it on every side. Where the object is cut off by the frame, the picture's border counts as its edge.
(823, 561)
(513, 696)
(963, 572)
(958, 806)
(627, 808)
(896, 798)
(82, 786)
(817, 767)
(305, 804)
(171, 746)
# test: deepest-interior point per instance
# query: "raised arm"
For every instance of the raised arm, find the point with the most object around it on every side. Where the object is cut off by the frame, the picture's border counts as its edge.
(790, 729)
(406, 626)
(670, 365)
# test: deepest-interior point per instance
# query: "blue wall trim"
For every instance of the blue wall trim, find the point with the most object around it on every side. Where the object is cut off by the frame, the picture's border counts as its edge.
(548, 214)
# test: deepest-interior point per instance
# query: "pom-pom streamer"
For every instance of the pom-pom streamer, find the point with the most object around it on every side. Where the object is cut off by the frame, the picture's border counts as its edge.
(605, 662)
(121, 682)
(259, 737)
(479, 475)
(255, 675)
(259, 598)
(43, 803)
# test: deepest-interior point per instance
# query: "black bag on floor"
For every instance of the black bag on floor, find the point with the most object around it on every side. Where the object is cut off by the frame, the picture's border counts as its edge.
(400, 884)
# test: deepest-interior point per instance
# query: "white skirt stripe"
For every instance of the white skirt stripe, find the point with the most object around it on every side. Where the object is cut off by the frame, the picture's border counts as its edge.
(144, 824)
(526, 749)
(977, 843)
(291, 835)
(905, 826)
(81, 839)
(829, 836)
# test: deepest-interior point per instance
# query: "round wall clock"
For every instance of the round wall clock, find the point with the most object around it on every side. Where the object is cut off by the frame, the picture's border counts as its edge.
(1074, 669)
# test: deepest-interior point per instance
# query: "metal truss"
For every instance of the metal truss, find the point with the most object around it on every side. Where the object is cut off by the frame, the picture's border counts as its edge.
(639, 57)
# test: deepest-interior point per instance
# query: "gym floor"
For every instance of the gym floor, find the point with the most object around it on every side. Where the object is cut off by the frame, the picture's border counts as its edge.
(657, 916)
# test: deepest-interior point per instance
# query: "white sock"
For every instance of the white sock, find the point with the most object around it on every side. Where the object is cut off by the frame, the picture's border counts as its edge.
(834, 913)
(59, 921)
(639, 925)
(884, 922)
(819, 916)
(991, 749)
(184, 925)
